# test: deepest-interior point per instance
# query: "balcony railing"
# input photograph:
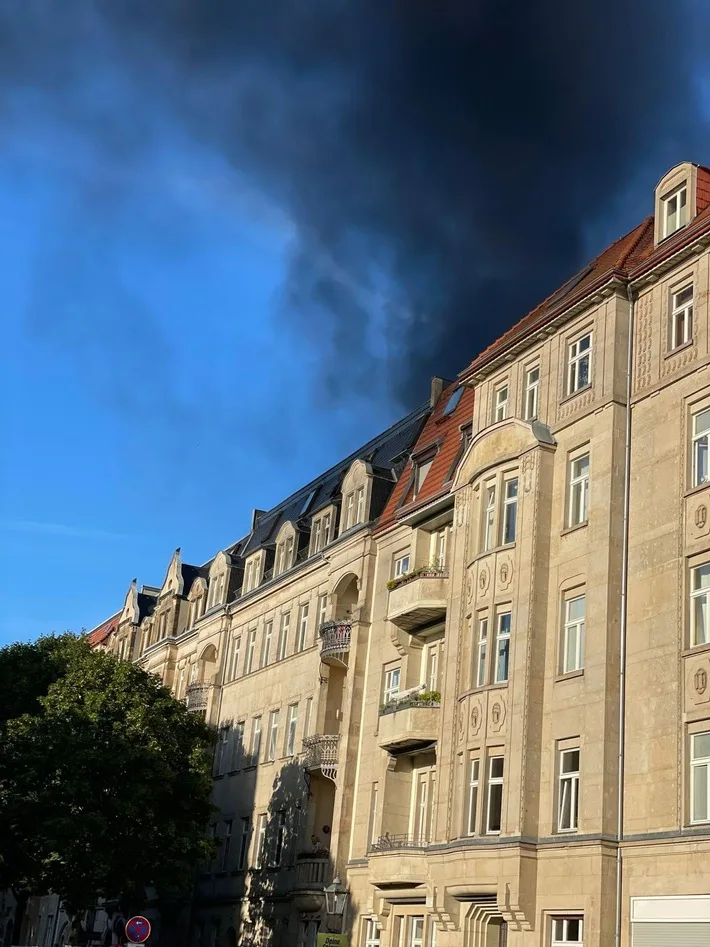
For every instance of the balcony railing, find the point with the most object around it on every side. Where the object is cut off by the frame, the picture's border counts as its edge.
(394, 843)
(321, 752)
(312, 871)
(197, 696)
(418, 599)
(335, 641)
(414, 697)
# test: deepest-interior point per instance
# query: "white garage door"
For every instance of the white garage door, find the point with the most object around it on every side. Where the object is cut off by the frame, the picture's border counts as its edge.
(671, 922)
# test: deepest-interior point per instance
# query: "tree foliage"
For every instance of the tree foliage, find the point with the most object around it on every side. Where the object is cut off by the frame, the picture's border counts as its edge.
(104, 777)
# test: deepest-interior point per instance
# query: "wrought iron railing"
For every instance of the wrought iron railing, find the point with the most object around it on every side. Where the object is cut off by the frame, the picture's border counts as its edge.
(393, 843)
(335, 638)
(197, 696)
(321, 751)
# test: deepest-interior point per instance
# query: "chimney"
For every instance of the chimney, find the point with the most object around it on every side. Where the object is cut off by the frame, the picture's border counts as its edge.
(437, 386)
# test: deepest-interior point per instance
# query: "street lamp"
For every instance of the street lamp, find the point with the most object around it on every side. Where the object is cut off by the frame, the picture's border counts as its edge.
(336, 900)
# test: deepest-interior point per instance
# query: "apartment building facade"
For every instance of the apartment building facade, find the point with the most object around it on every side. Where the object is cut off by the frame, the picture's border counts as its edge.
(466, 671)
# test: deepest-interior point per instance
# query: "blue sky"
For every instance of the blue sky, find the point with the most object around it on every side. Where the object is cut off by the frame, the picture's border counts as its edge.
(151, 394)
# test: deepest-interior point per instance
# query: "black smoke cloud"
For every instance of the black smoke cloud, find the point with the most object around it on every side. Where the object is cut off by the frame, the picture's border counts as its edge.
(445, 164)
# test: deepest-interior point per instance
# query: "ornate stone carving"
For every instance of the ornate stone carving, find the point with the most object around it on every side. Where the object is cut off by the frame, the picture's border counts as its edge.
(460, 510)
(697, 681)
(505, 573)
(469, 589)
(484, 580)
(698, 520)
(700, 680)
(701, 516)
(475, 718)
(528, 467)
(462, 722)
(644, 341)
(497, 714)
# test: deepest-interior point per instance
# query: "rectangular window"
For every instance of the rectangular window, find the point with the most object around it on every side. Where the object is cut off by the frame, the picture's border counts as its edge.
(472, 796)
(288, 553)
(360, 505)
(322, 607)
(421, 470)
(283, 635)
(424, 786)
(349, 510)
(326, 529)
(699, 606)
(482, 662)
(566, 931)
(317, 536)
(500, 403)
(248, 576)
(431, 665)
(291, 730)
(510, 511)
(578, 490)
(489, 522)
(236, 648)
(273, 735)
(579, 364)
(280, 838)
(221, 751)
(532, 393)
(681, 317)
(573, 634)
(494, 805)
(415, 932)
(266, 643)
(302, 627)
(255, 740)
(251, 646)
(260, 840)
(675, 210)
(439, 547)
(227, 844)
(503, 647)
(391, 684)
(308, 719)
(237, 748)
(401, 566)
(244, 842)
(699, 777)
(372, 933)
(701, 436)
(372, 831)
(568, 793)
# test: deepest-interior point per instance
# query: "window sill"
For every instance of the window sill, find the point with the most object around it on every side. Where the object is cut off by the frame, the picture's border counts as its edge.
(693, 650)
(574, 394)
(679, 348)
(573, 529)
(570, 675)
(566, 833)
(691, 491)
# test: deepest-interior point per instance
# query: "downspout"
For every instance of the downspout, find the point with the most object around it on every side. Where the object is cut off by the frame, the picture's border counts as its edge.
(623, 622)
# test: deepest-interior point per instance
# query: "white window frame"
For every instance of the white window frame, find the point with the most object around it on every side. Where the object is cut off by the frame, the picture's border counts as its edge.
(317, 536)
(422, 804)
(701, 448)
(322, 610)
(561, 936)
(578, 510)
(681, 317)
(244, 842)
(326, 529)
(280, 840)
(221, 751)
(236, 754)
(284, 628)
(472, 787)
(673, 199)
(291, 729)
(255, 748)
(308, 718)
(272, 742)
(503, 635)
(440, 546)
(491, 782)
(400, 565)
(302, 638)
(489, 517)
(372, 933)
(260, 840)
(482, 653)
(360, 505)
(236, 651)
(251, 648)
(349, 510)
(393, 678)
(576, 355)
(415, 938)
(431, 665)
(249, 575)
(510, 510)
(568, 790)
(531, 399)
(227, 844)
(573, 626)
(500, 402)
(698, 762)
(421, 472)
(267, 642)
(699, 597)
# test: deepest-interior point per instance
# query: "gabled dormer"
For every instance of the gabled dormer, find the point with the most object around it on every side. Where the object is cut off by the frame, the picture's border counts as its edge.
(356, 493)
(322, 529)
(253, 571)
(680, 195)
(196, 601)
(218, 580)
(286, 548)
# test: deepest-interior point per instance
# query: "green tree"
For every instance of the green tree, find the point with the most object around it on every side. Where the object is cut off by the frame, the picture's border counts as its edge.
(104, 778)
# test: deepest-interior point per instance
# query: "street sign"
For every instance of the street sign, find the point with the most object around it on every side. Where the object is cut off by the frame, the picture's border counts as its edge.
(138, 930)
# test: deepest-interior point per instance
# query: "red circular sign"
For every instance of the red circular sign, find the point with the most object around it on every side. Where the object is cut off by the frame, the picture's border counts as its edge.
(138, 929)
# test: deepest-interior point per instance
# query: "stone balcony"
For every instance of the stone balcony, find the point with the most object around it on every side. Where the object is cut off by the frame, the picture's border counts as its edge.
(321, 754)
(313, 873)
(335, 642)
(410, 721)
(418, 600)
(197, 697)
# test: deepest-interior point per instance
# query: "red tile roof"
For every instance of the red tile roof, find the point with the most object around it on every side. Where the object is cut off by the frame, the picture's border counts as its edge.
(103, 632)
(442, 433)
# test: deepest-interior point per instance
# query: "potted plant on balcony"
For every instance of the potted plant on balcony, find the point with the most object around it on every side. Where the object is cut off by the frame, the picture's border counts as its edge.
(429, 571)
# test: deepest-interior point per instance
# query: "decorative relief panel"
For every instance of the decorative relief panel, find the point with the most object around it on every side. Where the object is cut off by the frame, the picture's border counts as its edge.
(577, 402)
(697, 681)
(644, 342)
(461, 723)
(689, 353)
(697, 517)
(504, 575)
(497, 714)
(475, 717)
(528, 469)
(484, 578)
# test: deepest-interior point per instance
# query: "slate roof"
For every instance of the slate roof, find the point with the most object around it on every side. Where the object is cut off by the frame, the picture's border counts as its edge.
(443, 433)
(190, 573)
(385, 453)
(100, 635)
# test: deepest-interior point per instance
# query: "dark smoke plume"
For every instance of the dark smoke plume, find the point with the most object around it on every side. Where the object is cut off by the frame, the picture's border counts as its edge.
(445, 163)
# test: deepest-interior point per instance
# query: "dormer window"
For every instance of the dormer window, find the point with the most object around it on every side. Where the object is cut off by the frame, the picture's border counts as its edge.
(320, 533)
(349, 510)
(360, 505)
(500, 406)
(250, 576)
(675, 210)
(420, 474)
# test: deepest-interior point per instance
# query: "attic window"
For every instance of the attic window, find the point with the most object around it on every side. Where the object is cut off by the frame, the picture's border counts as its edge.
(307, 502)
(674, 207)
(420, 474)
(452, 403)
